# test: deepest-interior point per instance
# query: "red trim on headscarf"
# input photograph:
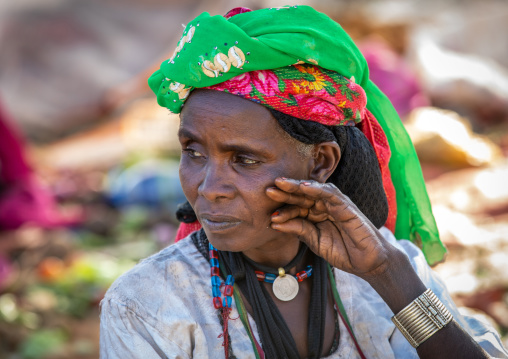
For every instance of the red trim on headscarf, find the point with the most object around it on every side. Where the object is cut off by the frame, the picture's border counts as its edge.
(377, 138)
(236, 11)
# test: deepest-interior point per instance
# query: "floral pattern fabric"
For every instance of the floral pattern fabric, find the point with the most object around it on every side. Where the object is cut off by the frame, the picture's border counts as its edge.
(303, 91)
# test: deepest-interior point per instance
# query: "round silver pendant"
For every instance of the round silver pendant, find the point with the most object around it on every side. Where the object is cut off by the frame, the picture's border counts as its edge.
(285, 288)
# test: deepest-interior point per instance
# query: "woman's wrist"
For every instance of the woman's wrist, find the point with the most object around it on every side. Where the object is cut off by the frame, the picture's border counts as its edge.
(398, 284)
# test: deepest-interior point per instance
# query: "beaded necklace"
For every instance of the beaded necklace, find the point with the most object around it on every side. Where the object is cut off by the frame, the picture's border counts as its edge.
(285, 287)
(270, 277)
(225, 304)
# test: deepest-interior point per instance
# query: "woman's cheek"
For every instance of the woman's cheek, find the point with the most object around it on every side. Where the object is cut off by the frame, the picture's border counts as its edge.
(189, 180)
(255, 187)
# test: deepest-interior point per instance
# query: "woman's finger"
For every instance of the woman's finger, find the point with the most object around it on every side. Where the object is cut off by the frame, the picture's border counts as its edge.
(286, 213)
(302, 228)
(289, 198)
(319, 198)
(311, 189)
(326, 199)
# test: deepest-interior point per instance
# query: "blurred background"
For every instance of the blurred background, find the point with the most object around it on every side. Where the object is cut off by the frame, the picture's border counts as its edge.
(89, 162)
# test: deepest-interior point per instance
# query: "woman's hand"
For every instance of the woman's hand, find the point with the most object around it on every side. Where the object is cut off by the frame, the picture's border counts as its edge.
(331, 226)
(335, 229)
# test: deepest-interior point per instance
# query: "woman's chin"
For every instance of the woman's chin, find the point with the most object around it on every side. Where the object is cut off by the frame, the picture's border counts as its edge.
(225, 245)
(230, 242)
(241, 240)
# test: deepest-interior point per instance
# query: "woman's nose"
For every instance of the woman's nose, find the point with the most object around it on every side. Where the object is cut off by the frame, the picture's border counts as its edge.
(217, 182)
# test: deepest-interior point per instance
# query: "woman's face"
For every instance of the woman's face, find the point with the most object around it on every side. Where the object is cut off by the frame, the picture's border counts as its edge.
(232, 151)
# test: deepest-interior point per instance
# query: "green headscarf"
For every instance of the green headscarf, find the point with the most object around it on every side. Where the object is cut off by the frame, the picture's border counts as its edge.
(214, 49)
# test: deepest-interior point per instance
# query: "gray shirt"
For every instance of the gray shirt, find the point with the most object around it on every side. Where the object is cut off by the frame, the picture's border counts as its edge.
(162, 308)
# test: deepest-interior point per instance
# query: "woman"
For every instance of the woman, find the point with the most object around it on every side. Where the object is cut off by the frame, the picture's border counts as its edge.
(276, 162)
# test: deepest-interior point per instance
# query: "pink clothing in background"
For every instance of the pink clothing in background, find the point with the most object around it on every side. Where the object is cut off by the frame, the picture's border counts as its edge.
(23, 199)
(390, 72)
(13, 164)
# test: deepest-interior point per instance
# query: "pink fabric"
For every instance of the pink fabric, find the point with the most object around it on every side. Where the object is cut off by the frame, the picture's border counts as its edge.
(13, 164)
(395, 78)
(28, 202)
(236, 11)
(23, 199)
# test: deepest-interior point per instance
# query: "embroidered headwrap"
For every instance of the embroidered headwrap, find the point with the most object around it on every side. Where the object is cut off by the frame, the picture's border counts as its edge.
(298, 61)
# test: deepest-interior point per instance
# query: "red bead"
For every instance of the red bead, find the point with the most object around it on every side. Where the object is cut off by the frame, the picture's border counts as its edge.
(215, 271)
(228, 290)
(260, 275)
(213, 254)
(301, 276)
(217, 303)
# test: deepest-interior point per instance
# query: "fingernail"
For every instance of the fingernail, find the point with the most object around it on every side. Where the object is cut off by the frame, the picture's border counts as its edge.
(306, 183)
(283, 178)
(276, 213)
(275, 229)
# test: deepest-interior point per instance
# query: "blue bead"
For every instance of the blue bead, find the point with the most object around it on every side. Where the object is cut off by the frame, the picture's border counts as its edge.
(226, 302)
(215, 280)
(216, 291)
(269, 277)
(214, 262)
(210, 247)
(230, 280)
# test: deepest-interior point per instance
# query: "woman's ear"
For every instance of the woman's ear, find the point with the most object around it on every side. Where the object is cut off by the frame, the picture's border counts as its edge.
(325, 160)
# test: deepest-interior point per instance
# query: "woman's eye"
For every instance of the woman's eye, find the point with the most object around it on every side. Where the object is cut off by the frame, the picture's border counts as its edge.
(193, 153)
(247, 161)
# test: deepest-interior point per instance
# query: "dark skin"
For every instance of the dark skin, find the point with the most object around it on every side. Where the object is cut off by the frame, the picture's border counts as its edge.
(237, 169)
(225, 169)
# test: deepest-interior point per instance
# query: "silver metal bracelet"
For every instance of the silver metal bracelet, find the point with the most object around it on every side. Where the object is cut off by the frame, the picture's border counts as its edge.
(422, 318)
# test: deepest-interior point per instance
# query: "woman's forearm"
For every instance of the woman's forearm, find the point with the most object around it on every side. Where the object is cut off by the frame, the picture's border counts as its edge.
(399, 285)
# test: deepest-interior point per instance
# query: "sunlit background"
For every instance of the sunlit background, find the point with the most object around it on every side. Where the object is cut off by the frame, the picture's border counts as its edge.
(88, 161)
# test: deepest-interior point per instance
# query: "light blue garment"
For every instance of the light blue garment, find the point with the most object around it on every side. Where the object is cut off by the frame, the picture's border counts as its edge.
(162, 308)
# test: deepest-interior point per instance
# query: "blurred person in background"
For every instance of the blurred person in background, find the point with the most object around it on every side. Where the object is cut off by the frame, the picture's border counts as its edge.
(301, 187)
(23, 198)
(24, 201)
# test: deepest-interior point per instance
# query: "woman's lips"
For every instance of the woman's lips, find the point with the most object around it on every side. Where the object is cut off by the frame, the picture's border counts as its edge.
(218, 223)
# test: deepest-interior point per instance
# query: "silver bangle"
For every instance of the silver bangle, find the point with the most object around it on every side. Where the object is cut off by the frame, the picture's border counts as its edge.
(422, 318)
